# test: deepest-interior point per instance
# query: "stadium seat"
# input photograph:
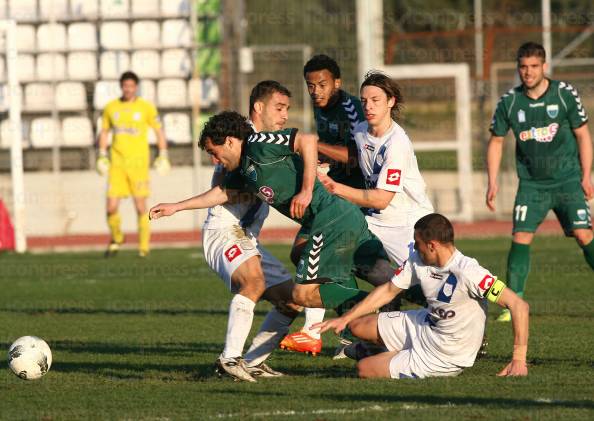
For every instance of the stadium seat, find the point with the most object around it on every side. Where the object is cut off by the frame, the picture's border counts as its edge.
(26, 67)
(176, 63)
(146, 63)
(171, 93)
(82, 36)
(25, 38)
(176, 33)
(44, 131)
(71, 96)
(146, 34)
(82, 66)
(4, 100)
(3, 9)
(5, 134)
(113, 64)
(51, 37)
(145, 8)
(51, 66)
(84, 9)
(59, 9)
(104, 92)
(115, 9)
(175, 8)
(115, 35)
(210, 92)
(147, 90)
(22, 10)
(177, 127)
(77, 132)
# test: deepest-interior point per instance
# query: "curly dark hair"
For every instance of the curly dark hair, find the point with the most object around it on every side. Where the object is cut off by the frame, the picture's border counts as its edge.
(389, 86)
(223, 124)
(322, 62)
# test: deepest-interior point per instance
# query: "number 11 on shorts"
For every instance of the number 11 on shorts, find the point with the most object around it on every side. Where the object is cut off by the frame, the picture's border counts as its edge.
(520, 212)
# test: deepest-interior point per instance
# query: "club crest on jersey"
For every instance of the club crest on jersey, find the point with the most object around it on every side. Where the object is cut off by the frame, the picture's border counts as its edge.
(251, 173)
(393, 177)
(266, 194)
(581, 213)
(333, 128)
(232, 252)
(540, 134)
(553, 110)
(448, 288)
(521, 116)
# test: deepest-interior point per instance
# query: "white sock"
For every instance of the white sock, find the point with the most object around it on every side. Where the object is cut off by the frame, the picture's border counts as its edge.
(241, 314)
(274, 328)
(313, 316)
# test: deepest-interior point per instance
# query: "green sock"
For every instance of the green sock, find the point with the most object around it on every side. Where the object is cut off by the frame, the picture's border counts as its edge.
(588, 250)
(518, 267)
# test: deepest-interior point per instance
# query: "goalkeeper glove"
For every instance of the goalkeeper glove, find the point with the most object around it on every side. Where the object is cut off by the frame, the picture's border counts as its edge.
(102, 165)
(162, 164)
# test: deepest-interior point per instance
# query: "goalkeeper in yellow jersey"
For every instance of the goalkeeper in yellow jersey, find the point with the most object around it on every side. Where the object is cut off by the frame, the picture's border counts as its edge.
(129, 118)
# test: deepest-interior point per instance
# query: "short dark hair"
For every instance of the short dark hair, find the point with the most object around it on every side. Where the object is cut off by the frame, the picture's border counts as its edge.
(389, 86)
(263, 90)
(435, 227)
(322, 62)
(223, 124)
(129, 76)
(531, 49)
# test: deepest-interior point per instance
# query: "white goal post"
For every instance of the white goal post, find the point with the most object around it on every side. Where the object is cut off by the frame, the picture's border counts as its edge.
(462, 144)
(13, 98)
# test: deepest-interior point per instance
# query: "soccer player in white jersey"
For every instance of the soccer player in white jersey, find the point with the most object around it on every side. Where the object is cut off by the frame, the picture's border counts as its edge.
(444, 338)
(395, 195)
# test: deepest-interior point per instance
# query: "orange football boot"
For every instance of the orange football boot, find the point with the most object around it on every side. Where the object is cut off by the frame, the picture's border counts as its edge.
(302, 342)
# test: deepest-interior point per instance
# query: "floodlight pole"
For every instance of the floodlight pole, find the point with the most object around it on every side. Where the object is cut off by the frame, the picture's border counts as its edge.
(370, 36)
(547, 41)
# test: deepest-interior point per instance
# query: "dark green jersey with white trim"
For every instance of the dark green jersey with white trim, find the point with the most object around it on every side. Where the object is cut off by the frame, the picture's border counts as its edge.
(546, 147)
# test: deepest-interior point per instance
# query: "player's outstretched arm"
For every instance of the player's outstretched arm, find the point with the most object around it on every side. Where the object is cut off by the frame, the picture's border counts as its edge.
(372, 198)
(335, 152)
(380, 296)
(584, 141)
(213, 197)
(519, 310)
(494, 153)
(307, 146)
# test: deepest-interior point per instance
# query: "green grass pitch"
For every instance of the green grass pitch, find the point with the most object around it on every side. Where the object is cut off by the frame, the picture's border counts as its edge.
(136, 339)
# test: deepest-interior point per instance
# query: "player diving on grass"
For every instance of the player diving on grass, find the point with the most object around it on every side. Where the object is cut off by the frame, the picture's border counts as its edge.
(280, 168)
(553, 160)
(444, 338)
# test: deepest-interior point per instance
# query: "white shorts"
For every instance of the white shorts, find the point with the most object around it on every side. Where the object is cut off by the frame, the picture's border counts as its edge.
(400, 331)
(225, 249)
(398, 241)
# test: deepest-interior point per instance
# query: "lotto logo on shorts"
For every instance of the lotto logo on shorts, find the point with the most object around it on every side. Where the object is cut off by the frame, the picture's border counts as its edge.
(232, 252)
(393, 177)
(486, 283)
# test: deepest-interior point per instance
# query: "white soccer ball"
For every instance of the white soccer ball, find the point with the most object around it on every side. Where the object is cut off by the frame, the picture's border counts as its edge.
(29, 357)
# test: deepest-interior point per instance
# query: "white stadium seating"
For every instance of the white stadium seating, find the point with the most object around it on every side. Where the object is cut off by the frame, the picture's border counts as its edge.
(176, 33)
(177, 127)
(23, 10)
(105, 91)
(51, 37)
(26, 67)
(82, 36)
(115, 9)
(77, 132)
(80, 9)
(113, 64)
(82, 66)
(25, 36)
(146, 34)
(175, 8)
(3, 10)
(44, 132)
(176, 63)
(146, 63)
(59, 9)
(115, 35)
(4, 100)
(71, 96)
(147, 90)
(145, 8)
(172, 93)
(51, 66)
(6, 134)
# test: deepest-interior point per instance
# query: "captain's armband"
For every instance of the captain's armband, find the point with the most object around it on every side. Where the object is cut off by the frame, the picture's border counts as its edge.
(494, 292)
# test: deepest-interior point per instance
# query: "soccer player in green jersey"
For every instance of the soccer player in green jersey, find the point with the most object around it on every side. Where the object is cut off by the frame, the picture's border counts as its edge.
(553, 159)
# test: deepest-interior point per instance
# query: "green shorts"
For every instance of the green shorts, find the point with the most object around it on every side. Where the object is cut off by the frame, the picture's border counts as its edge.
(567, 200)
(339, 246)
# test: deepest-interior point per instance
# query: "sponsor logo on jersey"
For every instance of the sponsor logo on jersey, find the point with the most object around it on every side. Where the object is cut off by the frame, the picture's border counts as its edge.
(537, 104)
(521, 116)
(393, 177)
(369, 147)
(437, 276)
(232, 252)
(266, 194)
(553, 110)
(486, 283)
(540, 134)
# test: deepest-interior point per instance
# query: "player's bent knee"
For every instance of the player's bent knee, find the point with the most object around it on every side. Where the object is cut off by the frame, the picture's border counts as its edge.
(365, 328)
(583, 236)
(304, 295)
